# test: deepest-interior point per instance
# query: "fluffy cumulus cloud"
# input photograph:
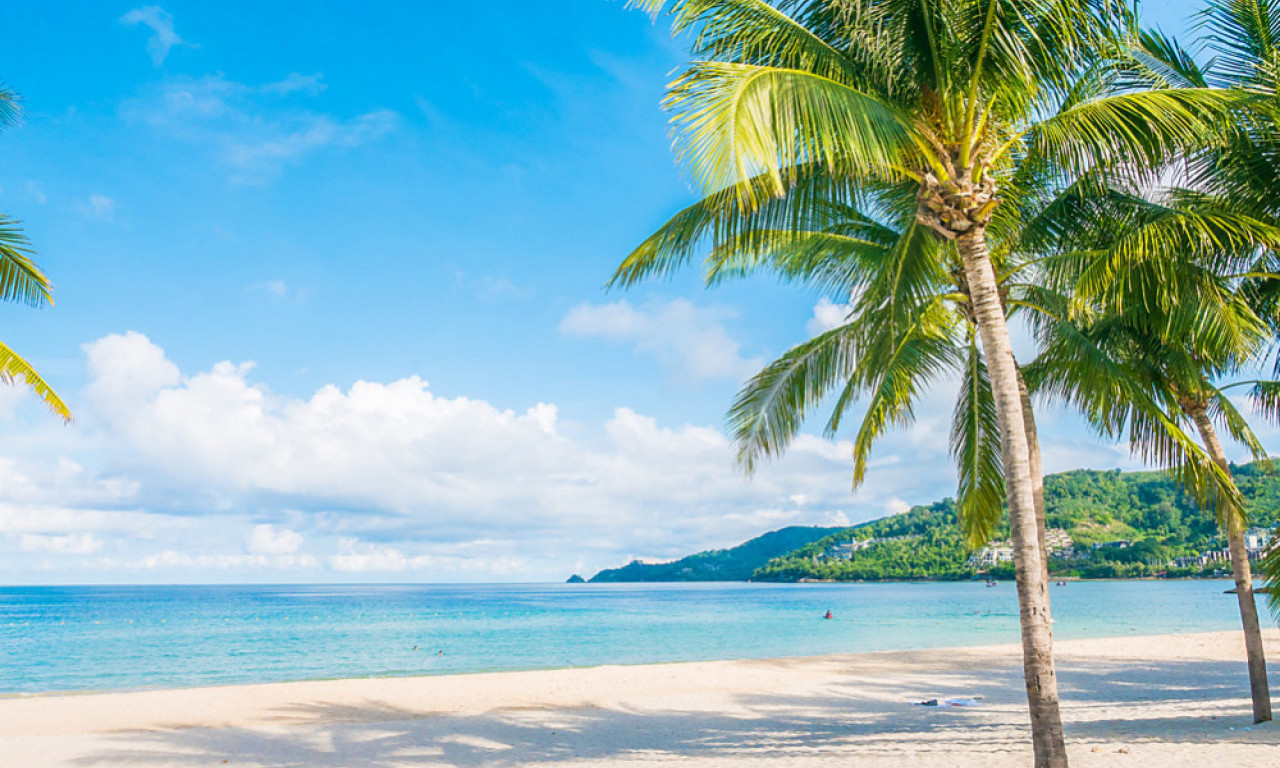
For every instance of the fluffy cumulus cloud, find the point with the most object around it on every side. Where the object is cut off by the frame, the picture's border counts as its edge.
(210, 474)
(255, 130)
(689, 340)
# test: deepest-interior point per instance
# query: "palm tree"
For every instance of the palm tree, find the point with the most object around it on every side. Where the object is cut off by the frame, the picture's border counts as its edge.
(1144, 357)
(1241, 174)
(1244, 36)
(22, 281)
(946, 100)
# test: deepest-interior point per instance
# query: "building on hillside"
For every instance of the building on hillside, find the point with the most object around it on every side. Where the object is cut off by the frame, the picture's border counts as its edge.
(844, 551)
(992, 554)
(1258, 540)
(1059, 542)
(1202, 559)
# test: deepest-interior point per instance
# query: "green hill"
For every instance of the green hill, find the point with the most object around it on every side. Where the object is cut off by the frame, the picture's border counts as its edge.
(735, 564)
(1147, 511)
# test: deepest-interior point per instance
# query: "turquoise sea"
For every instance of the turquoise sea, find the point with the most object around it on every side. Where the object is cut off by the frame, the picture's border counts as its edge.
(104, 638)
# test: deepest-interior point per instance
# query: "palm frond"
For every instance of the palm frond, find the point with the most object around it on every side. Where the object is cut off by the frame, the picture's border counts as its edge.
(736, 121)
(10, 107)
(1222, 410)
(770, 408)
(1269, 570)
(975, 445)
(831, 262)
(20, 279)
(1245, 38)
(1163, 63)
(1265, 396)
(14, 369)
(752, 32)
(915, 361)
(1142, 129)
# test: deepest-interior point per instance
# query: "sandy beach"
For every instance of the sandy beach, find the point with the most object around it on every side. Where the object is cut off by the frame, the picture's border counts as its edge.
(1170, 700)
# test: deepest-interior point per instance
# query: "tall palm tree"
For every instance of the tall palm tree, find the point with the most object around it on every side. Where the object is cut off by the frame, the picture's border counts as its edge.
(1244, 36)
(22, 281)
(945, 99)
(1146, 355)
(1241, 174)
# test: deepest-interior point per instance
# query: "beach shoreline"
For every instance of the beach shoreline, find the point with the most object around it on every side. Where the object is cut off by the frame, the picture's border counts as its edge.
(1179, 699)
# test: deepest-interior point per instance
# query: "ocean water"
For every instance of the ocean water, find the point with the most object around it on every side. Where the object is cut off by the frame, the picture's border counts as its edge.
(111, 638)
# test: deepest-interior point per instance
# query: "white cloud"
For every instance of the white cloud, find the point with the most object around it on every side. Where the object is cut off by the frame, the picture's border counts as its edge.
(247, 126)
(271, 540)
(98, 207)
(387, 477)
(362, 558)
(70, 544)
(896, 506)
(827, 315)
(163, 37)
(208, 474)
(690, 341)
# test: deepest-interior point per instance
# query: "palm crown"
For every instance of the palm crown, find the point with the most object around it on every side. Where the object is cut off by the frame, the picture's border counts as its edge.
(951, 95)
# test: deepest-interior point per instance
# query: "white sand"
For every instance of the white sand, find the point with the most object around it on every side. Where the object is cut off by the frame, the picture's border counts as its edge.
(1173, 700)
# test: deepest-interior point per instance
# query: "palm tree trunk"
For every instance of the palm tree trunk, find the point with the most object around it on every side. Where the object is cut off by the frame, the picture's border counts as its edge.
(1244, 580)
(1037, 468)
(1029, 566)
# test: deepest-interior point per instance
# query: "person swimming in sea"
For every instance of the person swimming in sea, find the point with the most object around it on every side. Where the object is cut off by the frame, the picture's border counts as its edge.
(828, 616)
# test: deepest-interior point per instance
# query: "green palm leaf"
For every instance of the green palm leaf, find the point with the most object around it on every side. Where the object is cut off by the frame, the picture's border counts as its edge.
(10, 108)
(914, 361)
(13, 368)
(975, 445)
(734, 121)
(1225, 412)
(771, 407)
(752, 32)
(1245, 36)
(1144, 128)
(20, 279)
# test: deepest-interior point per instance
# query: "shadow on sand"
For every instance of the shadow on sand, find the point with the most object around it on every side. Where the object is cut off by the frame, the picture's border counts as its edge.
(1106, 703)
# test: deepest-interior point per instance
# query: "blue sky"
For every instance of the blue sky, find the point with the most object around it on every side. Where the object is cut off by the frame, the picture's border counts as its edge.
(330, 306)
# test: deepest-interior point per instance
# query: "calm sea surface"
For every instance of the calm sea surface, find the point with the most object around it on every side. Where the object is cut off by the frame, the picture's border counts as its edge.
(99, 638)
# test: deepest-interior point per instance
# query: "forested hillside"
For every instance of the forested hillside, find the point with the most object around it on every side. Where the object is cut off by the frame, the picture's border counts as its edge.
(735, 564)
(1146, 510)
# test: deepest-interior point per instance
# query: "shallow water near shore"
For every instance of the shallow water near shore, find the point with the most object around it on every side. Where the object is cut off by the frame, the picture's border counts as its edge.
(111, 638)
